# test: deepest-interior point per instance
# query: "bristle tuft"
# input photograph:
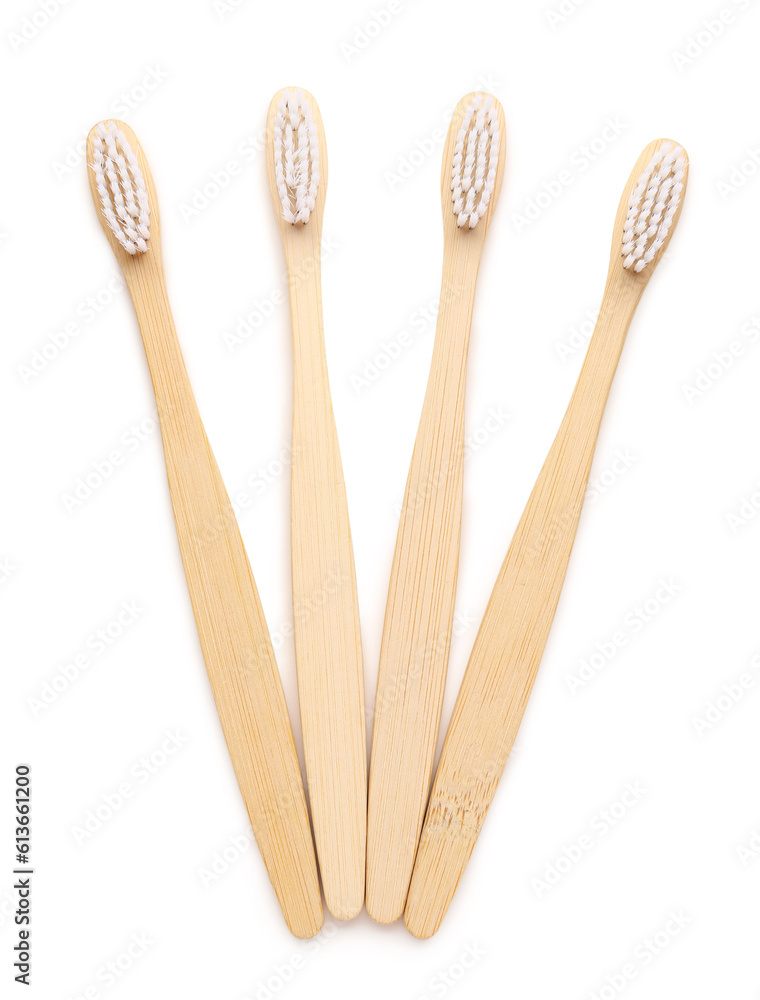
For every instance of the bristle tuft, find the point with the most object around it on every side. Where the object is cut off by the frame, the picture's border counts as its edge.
(296, 157)
(121, 188)
(652, 206)
(475, 161)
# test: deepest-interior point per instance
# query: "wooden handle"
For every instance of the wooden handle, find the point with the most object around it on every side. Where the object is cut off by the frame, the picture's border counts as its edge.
(231, 625)
(515, 627)
(419, 614)
(325, 603)
(420, 609)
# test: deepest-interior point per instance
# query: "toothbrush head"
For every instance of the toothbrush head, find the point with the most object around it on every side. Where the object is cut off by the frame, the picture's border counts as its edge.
(653, 205)
(122, 192)
(473, 161)
(296, 155)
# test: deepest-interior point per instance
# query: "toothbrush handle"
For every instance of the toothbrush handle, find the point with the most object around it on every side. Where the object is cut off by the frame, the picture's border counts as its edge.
(419, 614)
(513, 634)
(325, 602)
(231, 625)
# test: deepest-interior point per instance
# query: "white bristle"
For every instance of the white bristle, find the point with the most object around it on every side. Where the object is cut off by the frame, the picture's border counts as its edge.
(652, 206)
(121, 188)
(296, 157)
(476, 157)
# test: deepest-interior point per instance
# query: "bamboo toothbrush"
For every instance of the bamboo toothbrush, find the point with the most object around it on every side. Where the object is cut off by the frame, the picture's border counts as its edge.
(515, 627)
(325, 606)
(420, 609)
(231, 626)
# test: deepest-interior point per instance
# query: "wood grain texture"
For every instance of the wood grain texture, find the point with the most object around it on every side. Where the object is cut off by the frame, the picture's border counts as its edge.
(325, 602)
(231, 626)
(516, 624)
(419, 613)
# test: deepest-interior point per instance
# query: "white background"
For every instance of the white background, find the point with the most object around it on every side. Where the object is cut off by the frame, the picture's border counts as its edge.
(691, 461)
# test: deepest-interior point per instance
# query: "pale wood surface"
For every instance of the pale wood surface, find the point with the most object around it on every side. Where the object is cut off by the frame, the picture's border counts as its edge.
(325, 603)
(516, 624)
(231, 626)
(420, 609)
